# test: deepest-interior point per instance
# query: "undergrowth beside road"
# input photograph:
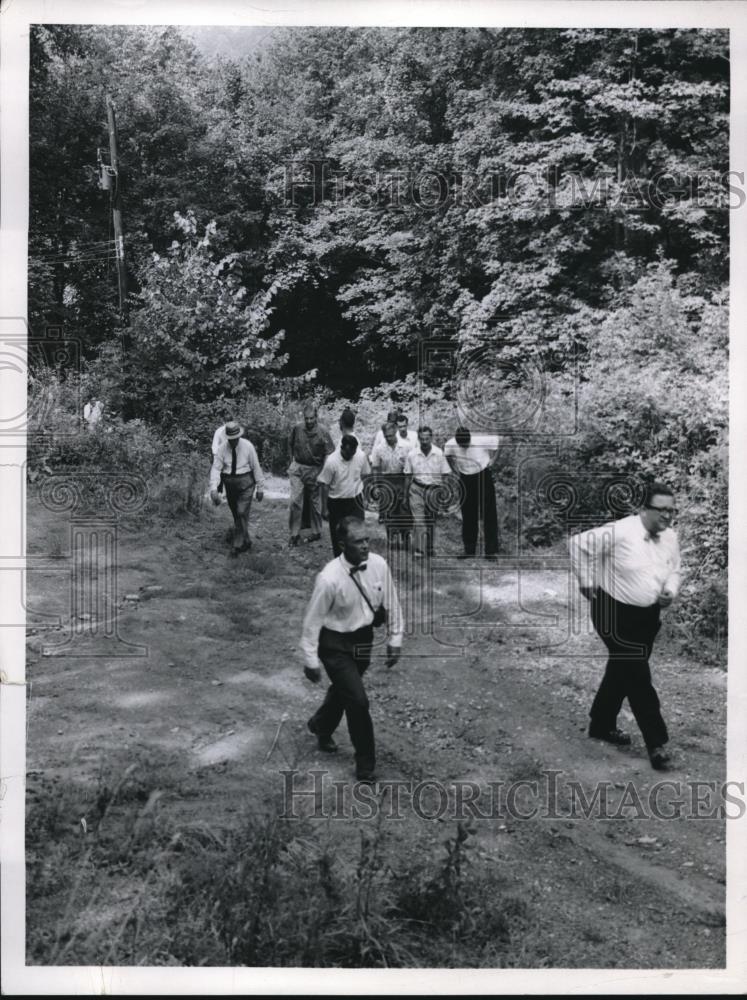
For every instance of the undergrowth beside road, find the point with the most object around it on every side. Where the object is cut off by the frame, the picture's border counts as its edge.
(267, 891)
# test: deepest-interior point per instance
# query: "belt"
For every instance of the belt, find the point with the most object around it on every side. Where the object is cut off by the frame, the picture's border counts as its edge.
(226, 476)
(423, 486)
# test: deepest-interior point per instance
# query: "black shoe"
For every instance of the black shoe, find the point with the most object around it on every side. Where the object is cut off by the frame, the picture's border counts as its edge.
(326, 743)
(614, 736)
(235, 553)
(659, 758)
(491, 555)
(466, 555)
(365, 777)
(246, 546)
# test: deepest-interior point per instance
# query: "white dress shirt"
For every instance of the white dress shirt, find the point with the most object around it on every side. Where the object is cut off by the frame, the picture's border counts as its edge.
(427, 469)
(476, 456)
(622, 558)
(389, 460)
(337, 604)
(246, 461)
(409, 441)
(344, 478)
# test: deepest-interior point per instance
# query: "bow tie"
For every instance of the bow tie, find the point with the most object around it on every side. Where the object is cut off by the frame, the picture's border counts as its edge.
(360, 568)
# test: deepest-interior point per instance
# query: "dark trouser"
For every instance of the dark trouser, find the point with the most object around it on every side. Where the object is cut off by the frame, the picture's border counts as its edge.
(239, 493)
(479, 504)
(305, 499)
(337, 509)
(395, 514)
(628, 632)
(346, 656)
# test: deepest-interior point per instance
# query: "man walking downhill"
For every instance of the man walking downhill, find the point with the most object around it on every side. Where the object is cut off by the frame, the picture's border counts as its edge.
(346, 423)
(388, 466)
(341, 485)
(308, 446)
(236, 466)
(406, 439)
(470, 457)
(338, 634)
(629, 570)
(425, 467)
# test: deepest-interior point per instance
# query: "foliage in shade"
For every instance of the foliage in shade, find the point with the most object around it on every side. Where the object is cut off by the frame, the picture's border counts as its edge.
(303, 221)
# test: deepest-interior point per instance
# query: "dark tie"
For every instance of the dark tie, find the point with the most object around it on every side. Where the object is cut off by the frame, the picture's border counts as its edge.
(233, 459)
(360, 568)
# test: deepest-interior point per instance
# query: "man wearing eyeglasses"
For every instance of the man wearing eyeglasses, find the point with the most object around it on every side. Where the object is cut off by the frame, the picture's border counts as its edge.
(629, 570)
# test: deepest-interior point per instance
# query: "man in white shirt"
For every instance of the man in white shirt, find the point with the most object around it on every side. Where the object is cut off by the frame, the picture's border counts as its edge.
(338, 634)
(236, 466)
(425, 468)
(388, 466)
(406, 439)
(341, 485)
(629, 570)
(470, 456)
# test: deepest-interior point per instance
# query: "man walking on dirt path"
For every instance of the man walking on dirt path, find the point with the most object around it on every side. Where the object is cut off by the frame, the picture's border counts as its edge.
(346, 423)
(237, 467)
(406, 439)
(308, 446)
(388, 466)
(629, 570)
(347, 601)
(425, 468)
(470, 457)
(341, 485)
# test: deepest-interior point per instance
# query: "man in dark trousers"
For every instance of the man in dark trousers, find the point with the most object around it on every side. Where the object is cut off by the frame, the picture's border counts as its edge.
(237, 467)
(338, 634)
(341, 485)
(629, 570)
(470, 457)
(308, 445)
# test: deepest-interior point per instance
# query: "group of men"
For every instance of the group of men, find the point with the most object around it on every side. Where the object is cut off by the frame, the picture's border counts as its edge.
(405, 466)
(627, 569)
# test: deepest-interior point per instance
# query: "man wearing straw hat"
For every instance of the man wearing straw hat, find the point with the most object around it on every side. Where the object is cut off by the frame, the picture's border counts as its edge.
(236, 466)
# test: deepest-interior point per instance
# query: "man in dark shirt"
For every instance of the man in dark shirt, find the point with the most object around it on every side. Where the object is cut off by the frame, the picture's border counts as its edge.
(308, 446)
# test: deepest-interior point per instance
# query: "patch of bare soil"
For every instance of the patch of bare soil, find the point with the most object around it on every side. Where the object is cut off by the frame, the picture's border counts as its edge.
(200, 715)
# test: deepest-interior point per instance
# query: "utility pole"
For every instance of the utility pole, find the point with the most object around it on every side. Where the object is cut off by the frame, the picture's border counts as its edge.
(117, 211)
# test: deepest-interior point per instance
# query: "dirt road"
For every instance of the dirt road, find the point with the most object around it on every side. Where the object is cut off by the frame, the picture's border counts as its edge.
(482, 721)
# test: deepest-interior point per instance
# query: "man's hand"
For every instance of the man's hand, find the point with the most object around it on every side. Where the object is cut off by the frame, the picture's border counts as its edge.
(392, 655)
(665, 598)
(312, 674)
(325, 515)
(215, 497)
(588, 592)
(259, 494)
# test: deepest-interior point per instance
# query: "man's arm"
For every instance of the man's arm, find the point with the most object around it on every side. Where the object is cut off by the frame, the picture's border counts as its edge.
(395, 624)
(319, 605)
(329, 445)
(586, 551)
(323, 492)
(324, 479)
(408, 472)
(672, 585)
(216, 439)
(215, 470)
